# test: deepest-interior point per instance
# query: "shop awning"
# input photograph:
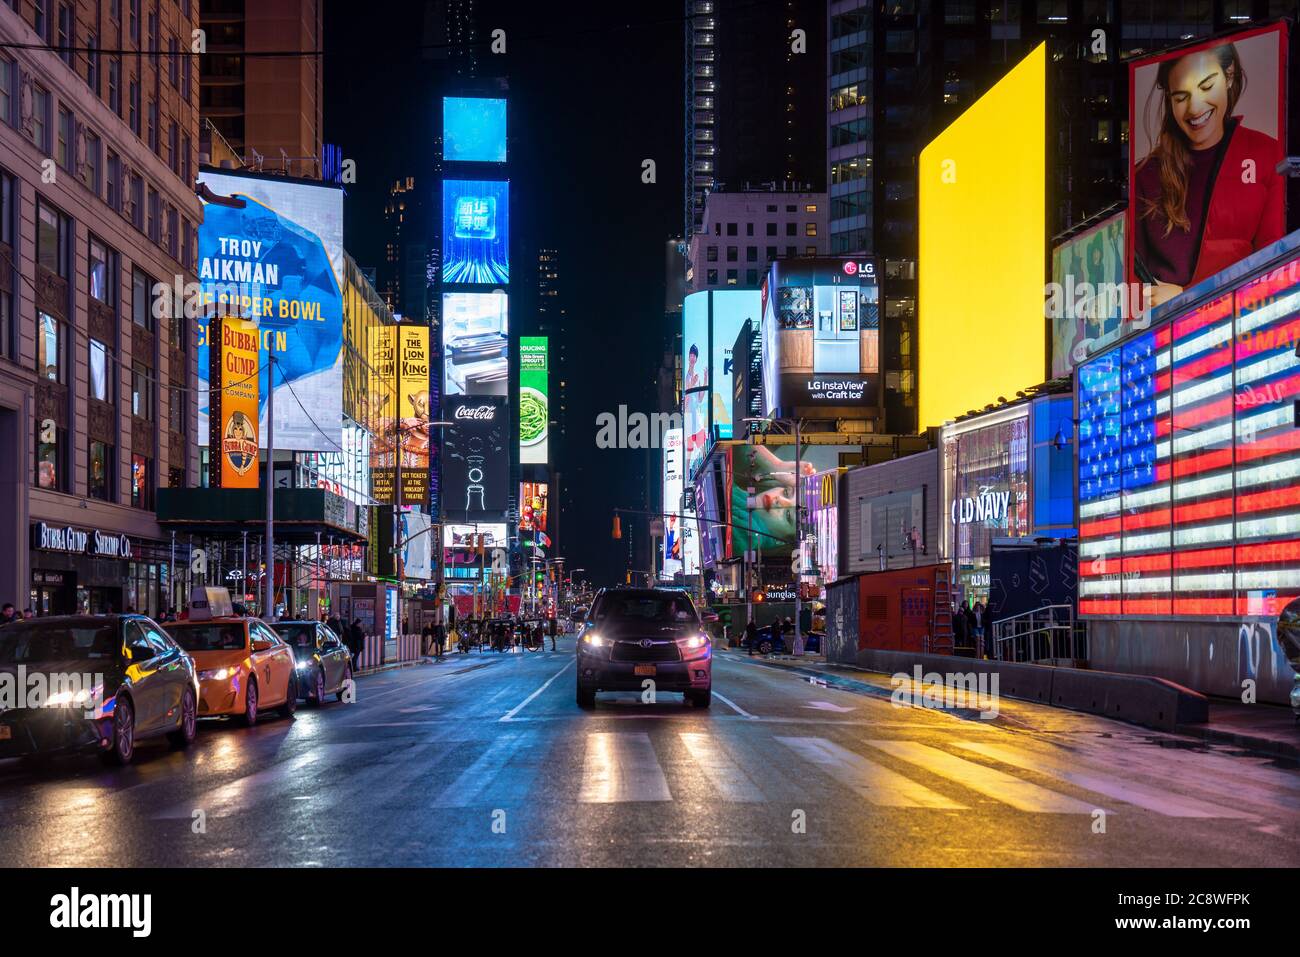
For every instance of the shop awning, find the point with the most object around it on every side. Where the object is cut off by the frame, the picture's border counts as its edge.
(300, 513)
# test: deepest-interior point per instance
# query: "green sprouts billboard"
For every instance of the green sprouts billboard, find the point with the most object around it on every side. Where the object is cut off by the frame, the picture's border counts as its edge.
(534, 411)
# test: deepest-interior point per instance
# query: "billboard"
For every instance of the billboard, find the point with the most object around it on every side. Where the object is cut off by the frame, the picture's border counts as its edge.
(476, 456)
(475, 231)
(821, 502)
(1207, 130)
(762, 504)
(695, 378)
(271, 251)
(820, 337)
(413, 405)
(233, 413)
(384, 408)
(980, 288)
(672, 504)
(417, 545)
(473, 129)
(1091, 308)
(534, 410)
(729, 310)
(1189, 460)
(476, 343)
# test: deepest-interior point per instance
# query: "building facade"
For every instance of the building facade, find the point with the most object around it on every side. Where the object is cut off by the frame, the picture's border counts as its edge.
(97, 231)
(741, 233)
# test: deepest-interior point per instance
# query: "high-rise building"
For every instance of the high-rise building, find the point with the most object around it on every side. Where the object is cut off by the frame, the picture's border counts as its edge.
(754, 98)
(98, 216)
(451, 34)
(741, 233)
(268, 108)
(553, 322)
(403, 278)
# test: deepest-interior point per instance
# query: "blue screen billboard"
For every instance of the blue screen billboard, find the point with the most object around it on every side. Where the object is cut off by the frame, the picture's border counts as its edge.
(473, 129)
(475, 231)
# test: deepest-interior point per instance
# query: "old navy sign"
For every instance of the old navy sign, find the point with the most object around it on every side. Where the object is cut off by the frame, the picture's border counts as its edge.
(80, 541)
(987, 506)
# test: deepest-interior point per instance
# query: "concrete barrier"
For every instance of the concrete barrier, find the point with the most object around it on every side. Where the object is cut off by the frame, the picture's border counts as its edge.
(1140, 699)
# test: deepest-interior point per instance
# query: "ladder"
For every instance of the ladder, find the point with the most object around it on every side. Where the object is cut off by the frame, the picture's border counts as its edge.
(940, 639)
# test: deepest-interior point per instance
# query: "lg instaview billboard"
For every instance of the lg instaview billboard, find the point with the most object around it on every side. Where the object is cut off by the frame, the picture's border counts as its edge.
(980, 287)
(534, 410)
(820, 337)
(474, 129)
(475, 231)
(271, 252)
(1207, 128)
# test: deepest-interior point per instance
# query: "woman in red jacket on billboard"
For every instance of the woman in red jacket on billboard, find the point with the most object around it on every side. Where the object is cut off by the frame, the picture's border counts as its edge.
(1208, 194)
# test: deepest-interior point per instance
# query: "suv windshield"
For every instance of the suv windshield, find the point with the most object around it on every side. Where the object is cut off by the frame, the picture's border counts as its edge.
(644, 606)
(31, 642)
(207, 637)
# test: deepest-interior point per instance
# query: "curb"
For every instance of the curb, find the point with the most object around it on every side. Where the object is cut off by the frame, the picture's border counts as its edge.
(1267, 746)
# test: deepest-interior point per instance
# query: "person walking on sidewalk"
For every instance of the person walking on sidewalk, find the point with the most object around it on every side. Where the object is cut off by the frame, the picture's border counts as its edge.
(356, 642)
(751, 636)
(553, 626)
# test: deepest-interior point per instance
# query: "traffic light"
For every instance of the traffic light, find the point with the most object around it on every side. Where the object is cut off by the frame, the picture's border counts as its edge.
(629, 574)
(618, 533)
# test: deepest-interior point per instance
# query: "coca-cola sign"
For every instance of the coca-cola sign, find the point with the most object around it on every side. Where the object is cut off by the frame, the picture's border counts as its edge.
(477, 413)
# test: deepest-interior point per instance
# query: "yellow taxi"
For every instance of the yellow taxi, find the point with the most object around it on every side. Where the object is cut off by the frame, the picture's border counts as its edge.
(244, 667)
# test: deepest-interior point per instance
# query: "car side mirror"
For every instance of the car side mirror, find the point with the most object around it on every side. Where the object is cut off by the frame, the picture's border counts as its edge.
(261, 644)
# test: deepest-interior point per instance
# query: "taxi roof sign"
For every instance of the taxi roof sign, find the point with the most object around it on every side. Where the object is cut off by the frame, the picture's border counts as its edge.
(210, 602)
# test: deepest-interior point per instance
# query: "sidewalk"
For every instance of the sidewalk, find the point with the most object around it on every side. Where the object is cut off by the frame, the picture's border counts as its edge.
(1264, 728)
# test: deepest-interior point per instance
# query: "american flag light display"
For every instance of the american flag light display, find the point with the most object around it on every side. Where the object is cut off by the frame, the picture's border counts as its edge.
(1189, 461)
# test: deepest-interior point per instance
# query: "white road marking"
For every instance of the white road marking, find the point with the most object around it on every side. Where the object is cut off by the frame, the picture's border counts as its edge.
(724, 774)
(828, 706)
(732, 705)
(876, 783)
(622, 767)
(473, 785)
(1162, 802)
(1009, 789)
(509, 715)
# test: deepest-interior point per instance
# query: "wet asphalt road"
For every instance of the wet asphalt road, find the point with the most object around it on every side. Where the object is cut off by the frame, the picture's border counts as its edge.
(487, 760)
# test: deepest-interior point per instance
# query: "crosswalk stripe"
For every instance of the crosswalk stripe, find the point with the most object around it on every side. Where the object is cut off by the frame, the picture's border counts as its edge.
(1017, 792)
(478, 783)
(243, 793)
(876, 783)
(731, 783)
(621, 767)
(1130, 792)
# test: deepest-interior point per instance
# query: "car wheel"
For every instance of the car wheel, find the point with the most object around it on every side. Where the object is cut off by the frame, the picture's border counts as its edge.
(121, 747)
(765, 647)
(317, 695)
(347, 680)
(183, 736)
(250, 704)
(290, 697)
(700, 699)
(586, 697)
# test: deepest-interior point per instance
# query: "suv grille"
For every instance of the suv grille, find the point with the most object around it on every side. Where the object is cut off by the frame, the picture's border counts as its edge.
(631, 650)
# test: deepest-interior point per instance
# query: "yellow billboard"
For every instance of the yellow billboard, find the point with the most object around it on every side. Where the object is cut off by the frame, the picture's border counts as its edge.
(233, 405)
(982, 249)
(381, 360)
(413, 371)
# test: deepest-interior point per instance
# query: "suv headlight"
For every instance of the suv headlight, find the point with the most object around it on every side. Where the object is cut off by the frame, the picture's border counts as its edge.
(593, 639)
(695, 646)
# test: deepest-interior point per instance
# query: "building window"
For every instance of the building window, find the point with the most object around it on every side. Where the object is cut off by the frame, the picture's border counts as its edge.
(153, 38)
(141, 482)
(711, 254)
(771, 229)
(52, 239)
(99, 471)
(155, 215)
(749, 229)
(41, 24)
(751, 254)
(141, 307)
(712, 277)
(733, 276)
(50, 446)
(113, 194)
(65, 33)
(187, 240)
(770, 252)
(90, 174)
(92, 63)
(751, 277)
(810, 229)
(187, 170)
(41, 118)
(185, 79)
(733, 254)
(115, 85)
(173, 233)
(173, 62)
(791, 251)
(174, 147)
(141, 391)
(6, 324)
(137, 201)
(792, 229)
(99, 372)
(731, 229)
(64, 154)
(6, 90)
(102, 273)
(810, 250)
(133, 22)
(134, 106)
(153, 126)
(50, 340)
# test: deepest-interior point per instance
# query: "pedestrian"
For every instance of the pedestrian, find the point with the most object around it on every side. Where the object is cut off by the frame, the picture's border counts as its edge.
(751, 636)
(554, 627)
(356, 641)
(439, 640)
(960, 631)
(979, 615)
(426, 640)
(28, 613)
(8, 614)
(335, 625)
(968, 615)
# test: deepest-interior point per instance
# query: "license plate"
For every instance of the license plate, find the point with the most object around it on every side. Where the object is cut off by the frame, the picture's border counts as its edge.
(644, 670)
(6, 732)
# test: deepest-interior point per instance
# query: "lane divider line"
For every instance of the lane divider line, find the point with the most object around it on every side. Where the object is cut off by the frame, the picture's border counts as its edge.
(509, 715)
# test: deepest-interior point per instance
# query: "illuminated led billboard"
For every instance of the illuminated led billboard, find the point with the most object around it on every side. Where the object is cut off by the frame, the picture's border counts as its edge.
(473, 129)
(710, 323)
(820, 337)
(983, 228)
(695, 378)
(475, 343)
(730, 309)
(475, 231)
(534, 408)
(271, 251)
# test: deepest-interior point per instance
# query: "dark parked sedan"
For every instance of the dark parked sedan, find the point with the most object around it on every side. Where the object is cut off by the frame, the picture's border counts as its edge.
(635, 635)
(93, 682)
(324, 663)
(771, 640)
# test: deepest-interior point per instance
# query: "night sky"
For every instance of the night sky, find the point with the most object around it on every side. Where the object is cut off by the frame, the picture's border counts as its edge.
(594, 91)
